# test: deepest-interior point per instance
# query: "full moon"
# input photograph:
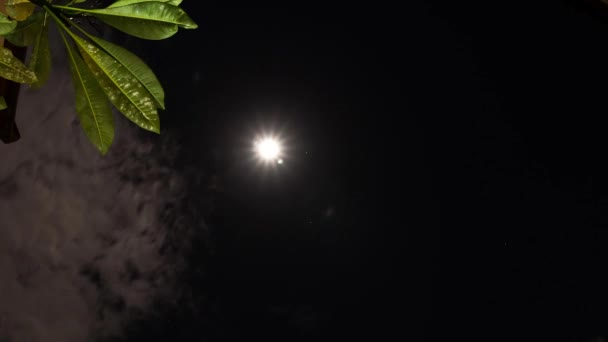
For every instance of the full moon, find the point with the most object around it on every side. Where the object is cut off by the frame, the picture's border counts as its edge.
(268, 149)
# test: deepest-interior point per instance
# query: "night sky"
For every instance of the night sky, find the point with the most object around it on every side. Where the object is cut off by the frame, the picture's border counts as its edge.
(444, 179)
(300, 252)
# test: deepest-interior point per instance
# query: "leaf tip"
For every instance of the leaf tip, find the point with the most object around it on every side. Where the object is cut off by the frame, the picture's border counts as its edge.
(102, 148)
(191, 25)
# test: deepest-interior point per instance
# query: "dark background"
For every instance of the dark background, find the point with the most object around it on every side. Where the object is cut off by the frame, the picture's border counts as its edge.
(461, 145)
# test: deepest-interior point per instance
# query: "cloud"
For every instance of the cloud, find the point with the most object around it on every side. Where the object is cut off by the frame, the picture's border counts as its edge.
(87, 243)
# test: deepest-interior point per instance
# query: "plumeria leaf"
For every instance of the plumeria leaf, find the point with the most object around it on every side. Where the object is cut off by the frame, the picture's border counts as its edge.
(92, 106)
(27, 31)
(6, 24)
(138, 69)
(128, 2)
(13, 69)
(147, 20)
(76, 2)
(3, 103)
(40, 60)
(19, 9)
(123, 89)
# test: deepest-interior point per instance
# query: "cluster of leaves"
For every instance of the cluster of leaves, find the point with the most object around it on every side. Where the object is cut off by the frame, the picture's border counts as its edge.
(103, 74)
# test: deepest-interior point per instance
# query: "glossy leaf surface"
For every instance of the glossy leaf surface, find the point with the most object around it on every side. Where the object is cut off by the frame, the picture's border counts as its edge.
(123, 89)
(136, 67)
(92, 106)
(13, 69)
(128, 2)
(147, 20)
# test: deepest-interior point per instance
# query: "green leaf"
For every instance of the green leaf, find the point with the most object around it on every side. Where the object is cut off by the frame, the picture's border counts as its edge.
(13, 69)
(136, 67)
(19, 9)
(27, 31)
(122, 88)
(6, 25)
(92, 106)
(147, 20)
(3, 103)
(128, 2)
(40, 60)
(75, 2)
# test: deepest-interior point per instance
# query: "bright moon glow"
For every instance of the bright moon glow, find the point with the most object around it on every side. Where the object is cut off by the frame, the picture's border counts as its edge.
(268, 148)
